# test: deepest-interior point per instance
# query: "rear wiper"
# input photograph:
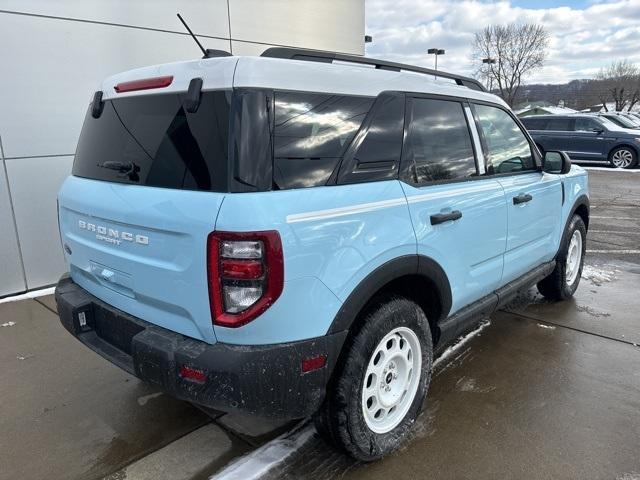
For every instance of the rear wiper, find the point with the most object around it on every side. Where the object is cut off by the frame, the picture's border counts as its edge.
(128, 169)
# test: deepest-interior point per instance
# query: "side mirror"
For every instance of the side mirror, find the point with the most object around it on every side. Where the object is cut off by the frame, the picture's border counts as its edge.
(556, 162)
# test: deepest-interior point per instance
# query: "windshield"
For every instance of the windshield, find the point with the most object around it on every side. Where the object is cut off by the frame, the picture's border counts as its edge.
(152, 140)
(621, 121)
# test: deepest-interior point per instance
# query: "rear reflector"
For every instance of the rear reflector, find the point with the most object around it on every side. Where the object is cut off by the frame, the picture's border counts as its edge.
(313, 363)
(192, 374)
(144, 84)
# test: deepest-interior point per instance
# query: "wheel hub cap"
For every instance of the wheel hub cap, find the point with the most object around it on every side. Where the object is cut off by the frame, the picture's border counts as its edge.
(391, 380)
(622, 158)
(574, 257)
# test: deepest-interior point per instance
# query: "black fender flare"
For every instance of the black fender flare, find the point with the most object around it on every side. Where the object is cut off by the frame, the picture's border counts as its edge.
(385, 273)
(581, 201)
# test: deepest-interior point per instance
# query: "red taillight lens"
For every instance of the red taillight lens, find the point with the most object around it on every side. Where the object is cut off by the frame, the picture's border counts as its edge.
(144, 84)
(192, 374)
(245, 273)
(242, 269)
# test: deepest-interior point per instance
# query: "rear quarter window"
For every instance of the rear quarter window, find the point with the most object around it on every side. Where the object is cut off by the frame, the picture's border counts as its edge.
(311, 132)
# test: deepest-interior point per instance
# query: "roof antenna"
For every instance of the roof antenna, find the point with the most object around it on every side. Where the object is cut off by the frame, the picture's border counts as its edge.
(204, 52)
(208, 52)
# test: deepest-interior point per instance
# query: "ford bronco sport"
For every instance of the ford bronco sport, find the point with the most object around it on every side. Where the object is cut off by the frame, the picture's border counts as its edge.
(287, 235)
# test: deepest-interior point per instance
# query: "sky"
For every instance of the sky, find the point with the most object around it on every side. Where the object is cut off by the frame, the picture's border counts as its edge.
(585, 35)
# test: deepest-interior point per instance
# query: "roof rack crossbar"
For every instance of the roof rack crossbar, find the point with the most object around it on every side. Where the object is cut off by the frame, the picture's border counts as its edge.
(329, 57)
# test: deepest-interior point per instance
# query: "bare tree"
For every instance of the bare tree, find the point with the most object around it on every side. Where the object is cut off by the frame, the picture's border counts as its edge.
(517, 49)
(620, 83)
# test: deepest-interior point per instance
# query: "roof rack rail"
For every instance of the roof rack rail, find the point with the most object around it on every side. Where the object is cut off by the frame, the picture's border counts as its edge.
(329, 57)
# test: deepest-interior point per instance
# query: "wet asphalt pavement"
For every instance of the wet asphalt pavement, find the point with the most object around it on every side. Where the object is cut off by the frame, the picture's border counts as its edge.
(545, 391)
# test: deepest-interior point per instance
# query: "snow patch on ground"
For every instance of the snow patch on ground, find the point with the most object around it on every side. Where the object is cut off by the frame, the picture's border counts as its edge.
(609, 169)
(548, 327)
(460, 343)
(142, 401)
(255, 464)
(33, 294)
(629, 476)
(8, 324)
(598, 275)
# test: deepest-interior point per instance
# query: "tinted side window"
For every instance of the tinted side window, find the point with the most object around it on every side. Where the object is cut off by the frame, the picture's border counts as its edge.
(439, 143)
(559, 124)
(375, 152)
(587, 125)
(534, 123)
(507, 148)
(311, 133)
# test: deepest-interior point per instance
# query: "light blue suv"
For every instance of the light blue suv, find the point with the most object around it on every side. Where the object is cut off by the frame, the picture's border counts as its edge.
(287, 236)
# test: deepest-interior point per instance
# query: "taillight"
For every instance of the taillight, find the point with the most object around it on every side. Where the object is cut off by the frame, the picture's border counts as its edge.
(245, 273)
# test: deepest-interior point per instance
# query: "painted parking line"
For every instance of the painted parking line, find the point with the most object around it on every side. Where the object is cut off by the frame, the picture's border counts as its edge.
(620, 252)
(612, 170)
(614, 232)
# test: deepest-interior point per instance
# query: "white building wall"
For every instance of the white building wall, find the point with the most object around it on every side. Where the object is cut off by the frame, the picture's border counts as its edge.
(53, 57)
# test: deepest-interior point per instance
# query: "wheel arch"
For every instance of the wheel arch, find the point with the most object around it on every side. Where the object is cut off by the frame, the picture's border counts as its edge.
(581, 207)
(416, 277)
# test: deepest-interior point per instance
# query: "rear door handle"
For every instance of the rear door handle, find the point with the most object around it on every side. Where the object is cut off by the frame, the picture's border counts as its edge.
(445, 217)
(522, 198)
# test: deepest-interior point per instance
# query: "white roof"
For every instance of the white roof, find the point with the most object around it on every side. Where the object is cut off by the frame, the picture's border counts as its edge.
(299, 75)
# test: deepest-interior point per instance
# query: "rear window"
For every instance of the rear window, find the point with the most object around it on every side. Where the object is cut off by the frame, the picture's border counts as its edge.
(152, 140)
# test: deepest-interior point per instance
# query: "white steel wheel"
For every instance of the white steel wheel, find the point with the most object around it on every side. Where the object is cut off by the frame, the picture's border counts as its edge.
(574, 257)
(622, 158)
(391, 380)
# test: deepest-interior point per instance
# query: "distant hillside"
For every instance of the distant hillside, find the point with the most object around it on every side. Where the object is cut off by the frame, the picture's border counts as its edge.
(576, 94)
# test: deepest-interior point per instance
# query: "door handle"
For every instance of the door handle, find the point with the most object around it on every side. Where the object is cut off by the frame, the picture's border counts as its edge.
(522, 198)
(445, 217)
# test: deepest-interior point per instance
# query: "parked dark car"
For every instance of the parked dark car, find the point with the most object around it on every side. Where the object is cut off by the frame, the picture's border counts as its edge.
(585, 137)
(623, 120)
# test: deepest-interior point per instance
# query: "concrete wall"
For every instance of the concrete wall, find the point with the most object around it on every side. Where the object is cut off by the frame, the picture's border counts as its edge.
(53, 57)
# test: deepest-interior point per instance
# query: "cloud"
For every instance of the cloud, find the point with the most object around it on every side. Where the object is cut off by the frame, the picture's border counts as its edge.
(582, 40)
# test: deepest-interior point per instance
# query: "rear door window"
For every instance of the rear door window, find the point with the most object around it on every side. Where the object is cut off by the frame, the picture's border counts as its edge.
(152, 140)
(311, 132)
(439, 143)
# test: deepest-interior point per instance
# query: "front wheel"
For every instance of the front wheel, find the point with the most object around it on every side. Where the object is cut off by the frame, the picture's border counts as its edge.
(562, 283)
(381, 383)
(623, 157)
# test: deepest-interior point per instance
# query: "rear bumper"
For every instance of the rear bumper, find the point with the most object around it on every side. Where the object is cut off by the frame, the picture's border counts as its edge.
(264, 380)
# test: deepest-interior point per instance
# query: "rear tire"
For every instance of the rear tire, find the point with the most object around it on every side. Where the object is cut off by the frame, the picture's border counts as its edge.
(562, 283)
(623, 157)
(379, 387)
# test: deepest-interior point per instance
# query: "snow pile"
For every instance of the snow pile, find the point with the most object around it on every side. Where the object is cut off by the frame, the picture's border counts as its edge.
(598, 275)
(255, 464)
(8, 324)
(460, 343)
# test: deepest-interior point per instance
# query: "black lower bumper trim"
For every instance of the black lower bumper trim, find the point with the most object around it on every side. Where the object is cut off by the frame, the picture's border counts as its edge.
(265, 380)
